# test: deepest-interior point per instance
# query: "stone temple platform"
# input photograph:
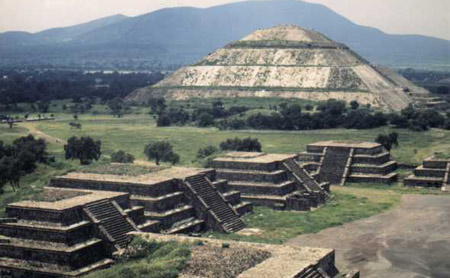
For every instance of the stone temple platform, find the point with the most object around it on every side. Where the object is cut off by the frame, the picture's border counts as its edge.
(274, 180)
(338, 162)
(177, 199)
(66, 232)
(434, 172)
(283, 262)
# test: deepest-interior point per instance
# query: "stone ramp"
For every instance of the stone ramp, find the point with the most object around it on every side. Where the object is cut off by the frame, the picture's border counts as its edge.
(226, 217)
(111, 222)
(309, 182)
(333, 165)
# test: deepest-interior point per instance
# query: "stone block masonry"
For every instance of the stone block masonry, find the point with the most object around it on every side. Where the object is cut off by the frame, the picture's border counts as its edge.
(433, 173)
(274, 180)
(338, 162)
(163, 195)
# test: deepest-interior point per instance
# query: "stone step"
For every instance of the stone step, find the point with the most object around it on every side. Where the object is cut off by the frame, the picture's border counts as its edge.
(252, 176)
(169, 217)
(186, 227)
(160, 203)
(423, 181)
(372, 178)
(263, 188)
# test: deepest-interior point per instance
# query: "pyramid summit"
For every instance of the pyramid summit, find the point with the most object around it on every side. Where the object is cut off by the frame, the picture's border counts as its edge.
(284, 61)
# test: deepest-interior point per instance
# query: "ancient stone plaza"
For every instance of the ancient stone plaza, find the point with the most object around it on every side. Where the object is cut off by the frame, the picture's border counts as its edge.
(81, 220)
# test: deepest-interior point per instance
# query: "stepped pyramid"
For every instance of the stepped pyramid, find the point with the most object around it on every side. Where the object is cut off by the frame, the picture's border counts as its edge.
(285, 61)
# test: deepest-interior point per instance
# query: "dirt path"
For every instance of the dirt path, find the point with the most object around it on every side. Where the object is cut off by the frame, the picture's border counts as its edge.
(36, 132)
(412, 240)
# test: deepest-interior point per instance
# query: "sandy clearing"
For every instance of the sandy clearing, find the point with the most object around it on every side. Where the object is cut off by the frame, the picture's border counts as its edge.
(412, 240)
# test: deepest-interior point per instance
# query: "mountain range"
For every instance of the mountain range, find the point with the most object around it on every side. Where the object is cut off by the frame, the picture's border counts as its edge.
(175, 36)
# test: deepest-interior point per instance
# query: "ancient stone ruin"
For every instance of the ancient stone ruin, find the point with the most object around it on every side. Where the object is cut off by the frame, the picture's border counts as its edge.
(274, 180)
(434, 172)
(66, 232)
(340, 162)
(289, 62)
(175, 200)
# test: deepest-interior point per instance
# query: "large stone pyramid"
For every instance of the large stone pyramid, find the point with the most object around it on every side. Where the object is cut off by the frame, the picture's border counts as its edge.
(284, 61)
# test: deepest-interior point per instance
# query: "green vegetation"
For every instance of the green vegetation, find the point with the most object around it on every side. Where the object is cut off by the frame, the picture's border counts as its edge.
(122, 157)
(149, 259)
(349, 205)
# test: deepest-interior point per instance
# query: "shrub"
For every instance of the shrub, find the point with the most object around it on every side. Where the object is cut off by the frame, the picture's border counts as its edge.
(247, 144)
(206, 151)
(122, 157)
(205, 119)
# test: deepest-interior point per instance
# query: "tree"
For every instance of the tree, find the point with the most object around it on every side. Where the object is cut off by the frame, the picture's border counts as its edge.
(10, 172)
(122, 157)
(35, 147)
(205, 119)
(161, 151)
(117, 106)
(388, 141)
(354, 104)
(84, 148)
(157, 105)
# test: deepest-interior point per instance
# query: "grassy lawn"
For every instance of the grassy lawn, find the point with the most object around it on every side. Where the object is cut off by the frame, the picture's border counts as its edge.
(132, 132)
(350, 204)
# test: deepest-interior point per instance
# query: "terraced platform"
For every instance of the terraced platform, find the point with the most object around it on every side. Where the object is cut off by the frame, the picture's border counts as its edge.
(168, 202)
(65, 232)
(338, 162)
(274, 180)
(434, 172)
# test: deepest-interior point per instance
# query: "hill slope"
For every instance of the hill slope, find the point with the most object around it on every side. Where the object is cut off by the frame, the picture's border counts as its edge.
(284, 61)
(183, 35)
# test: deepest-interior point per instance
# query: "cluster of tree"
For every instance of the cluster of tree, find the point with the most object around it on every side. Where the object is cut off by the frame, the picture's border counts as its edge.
(388, 141)
(84, 149)
(331, 114)
(20, 158)
(420, 120)
(122, 157)
(201, 116)
(31, 86)
(243, 145)
(161, 151)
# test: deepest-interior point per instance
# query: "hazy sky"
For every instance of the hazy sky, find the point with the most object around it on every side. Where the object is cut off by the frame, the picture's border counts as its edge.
(426, 17)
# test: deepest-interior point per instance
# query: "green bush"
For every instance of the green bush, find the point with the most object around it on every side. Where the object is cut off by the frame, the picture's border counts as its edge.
(122, 157)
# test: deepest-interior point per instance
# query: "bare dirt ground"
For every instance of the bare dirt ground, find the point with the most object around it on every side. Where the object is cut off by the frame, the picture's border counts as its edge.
(412, 240)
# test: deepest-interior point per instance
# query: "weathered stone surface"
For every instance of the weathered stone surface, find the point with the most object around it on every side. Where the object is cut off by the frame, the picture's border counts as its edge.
(288, 62)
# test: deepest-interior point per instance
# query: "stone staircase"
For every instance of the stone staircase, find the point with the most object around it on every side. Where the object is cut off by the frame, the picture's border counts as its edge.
(313, 272)
(348, 165)
(110, 222)
(333, 165)
(203, 189)
(309, 182)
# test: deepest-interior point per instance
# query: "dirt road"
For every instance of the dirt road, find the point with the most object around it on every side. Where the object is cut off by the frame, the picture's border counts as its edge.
(412, 240)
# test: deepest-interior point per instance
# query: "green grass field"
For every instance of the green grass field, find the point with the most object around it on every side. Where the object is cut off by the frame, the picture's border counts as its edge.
(132, 132)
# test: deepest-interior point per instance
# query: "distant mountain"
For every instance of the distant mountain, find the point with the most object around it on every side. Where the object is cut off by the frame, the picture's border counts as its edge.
(183, 35)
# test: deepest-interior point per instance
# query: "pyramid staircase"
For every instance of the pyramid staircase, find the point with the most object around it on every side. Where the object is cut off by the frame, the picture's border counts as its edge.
(111, 222)
(305, 178)
(223, 212)
(334, 165)
(313, 271)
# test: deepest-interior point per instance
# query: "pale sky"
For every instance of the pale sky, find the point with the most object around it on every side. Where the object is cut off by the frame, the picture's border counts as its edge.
(424, 17)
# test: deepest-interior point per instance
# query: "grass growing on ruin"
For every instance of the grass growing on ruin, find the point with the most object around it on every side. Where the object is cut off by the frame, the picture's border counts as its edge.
(350, 204)
(149, 259)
